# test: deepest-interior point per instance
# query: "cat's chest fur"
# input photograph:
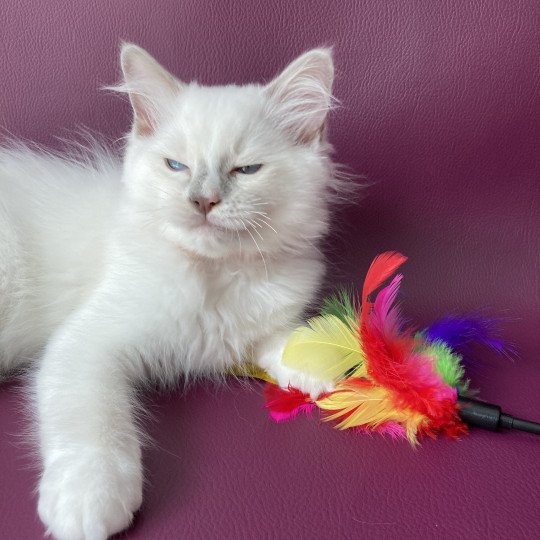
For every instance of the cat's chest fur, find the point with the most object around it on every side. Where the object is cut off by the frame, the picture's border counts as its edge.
(208, 315)
(218, 311)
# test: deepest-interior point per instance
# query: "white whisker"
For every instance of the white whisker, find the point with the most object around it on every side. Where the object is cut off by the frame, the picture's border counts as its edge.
(252, 225)
(239, 240)
(259, 249)
(253, 222)
(267, 224)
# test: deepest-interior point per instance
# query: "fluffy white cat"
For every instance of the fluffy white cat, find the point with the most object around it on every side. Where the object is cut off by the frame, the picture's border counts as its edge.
(195, 252)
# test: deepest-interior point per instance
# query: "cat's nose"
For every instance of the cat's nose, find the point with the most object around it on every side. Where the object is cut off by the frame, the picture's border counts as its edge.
(205, 204)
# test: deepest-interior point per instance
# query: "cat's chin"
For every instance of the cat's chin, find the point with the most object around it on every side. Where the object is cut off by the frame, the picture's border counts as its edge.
(205, 240)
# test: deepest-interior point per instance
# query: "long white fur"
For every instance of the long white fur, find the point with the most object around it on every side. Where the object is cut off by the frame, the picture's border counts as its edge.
(110, 277)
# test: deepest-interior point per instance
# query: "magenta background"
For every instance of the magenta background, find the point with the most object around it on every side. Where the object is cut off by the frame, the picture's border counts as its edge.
(441, 113)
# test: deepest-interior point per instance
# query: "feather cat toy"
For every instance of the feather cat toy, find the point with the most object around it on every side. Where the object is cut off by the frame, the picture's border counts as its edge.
(388, 378)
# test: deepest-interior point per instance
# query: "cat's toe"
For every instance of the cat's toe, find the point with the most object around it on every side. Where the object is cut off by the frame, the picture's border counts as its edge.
(312, 386)
(303, 381)
(89, 498)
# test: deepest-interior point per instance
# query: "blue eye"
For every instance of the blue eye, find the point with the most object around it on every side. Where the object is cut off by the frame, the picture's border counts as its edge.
(248, 169)
(175, 165)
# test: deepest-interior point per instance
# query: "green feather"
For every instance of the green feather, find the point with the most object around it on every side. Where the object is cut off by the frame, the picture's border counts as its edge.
(447, 364)
(340, 305)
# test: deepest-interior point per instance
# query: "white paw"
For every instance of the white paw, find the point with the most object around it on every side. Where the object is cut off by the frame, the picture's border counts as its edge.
(304, 382)
(269, 355)
(89, 496)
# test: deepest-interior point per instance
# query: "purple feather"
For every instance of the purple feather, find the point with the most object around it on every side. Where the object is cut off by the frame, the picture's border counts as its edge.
(459, 333)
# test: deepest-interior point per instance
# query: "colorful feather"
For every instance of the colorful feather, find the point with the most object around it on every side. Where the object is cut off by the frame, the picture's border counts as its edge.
(460, 332)
(251, 370)
(358, 402)
(389, 379)
(327, 348)
(447, 363)
(391, 429)
(407, 375)
(382, 267)
(385, 316)
(286, 404)
(342, 304)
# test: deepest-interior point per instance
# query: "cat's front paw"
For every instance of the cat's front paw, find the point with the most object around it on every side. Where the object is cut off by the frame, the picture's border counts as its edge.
(302, 381)
(90, 496)
(269, 354)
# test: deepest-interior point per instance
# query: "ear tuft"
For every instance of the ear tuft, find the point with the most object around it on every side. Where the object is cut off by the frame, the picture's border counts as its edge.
(301, 95)
(149, 85)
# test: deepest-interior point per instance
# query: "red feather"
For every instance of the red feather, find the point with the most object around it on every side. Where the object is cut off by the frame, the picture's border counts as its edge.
(394, 363)
(448, 422)
(382, 267)
(285, 404)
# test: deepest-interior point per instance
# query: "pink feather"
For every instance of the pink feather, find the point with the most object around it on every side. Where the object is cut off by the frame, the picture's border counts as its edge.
(382, 267)
(286, 404)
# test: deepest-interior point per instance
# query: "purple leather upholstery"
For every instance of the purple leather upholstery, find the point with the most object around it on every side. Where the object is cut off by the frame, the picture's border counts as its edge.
(441, 113)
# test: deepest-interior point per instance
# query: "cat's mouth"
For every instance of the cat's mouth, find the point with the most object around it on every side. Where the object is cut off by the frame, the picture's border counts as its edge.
(207, 226)
(219, 226)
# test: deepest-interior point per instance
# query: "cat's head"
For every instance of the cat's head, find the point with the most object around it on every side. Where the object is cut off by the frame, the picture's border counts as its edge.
(228, 170)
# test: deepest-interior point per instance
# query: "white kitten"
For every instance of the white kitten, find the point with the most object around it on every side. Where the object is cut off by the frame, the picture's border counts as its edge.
(197, 252)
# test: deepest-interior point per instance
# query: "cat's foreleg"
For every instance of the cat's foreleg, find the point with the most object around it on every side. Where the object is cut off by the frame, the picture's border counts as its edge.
(92, 475)
(268, 355)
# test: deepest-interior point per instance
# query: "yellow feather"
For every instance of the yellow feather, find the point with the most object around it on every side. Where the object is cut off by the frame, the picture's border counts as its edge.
(326, 349)
(251, 370)
(360, 372)
(368, 406)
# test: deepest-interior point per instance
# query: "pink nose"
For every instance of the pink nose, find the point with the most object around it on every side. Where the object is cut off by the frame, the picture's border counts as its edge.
(205, 204)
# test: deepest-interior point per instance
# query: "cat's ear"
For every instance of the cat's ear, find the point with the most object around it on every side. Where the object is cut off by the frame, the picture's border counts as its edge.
(150, 86)
(301, 96)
